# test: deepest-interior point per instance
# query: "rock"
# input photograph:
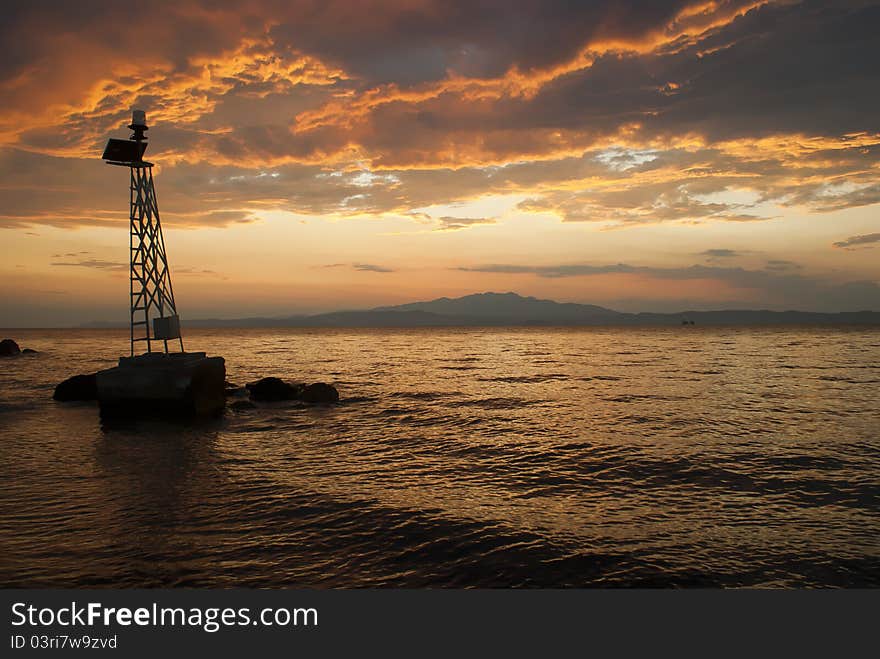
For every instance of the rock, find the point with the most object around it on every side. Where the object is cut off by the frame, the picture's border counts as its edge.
(242, 405)
(272, 389)
(320, 392)
(231, 392)
(8, 347)
(28, 351)
(79, 387)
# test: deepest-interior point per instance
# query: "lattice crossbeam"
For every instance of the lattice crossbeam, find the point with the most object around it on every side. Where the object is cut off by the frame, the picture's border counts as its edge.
(151, 293)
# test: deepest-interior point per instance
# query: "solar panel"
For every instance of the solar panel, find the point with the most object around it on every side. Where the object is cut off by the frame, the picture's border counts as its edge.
(124, 151)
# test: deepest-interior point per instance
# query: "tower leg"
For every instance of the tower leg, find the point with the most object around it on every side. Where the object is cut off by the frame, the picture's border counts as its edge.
(152, 296)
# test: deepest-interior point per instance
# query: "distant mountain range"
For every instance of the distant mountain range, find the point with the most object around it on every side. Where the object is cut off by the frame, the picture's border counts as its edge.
(510, 309)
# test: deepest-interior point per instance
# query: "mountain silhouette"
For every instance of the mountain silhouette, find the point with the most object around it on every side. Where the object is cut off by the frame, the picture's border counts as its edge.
(509, 306)
(510, 309)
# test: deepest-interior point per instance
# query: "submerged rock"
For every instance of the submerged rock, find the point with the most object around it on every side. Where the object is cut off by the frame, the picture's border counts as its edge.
(320, 392)
(8, 347)
(274, 389)
(79, 387)
(241, 405)
(28, 351)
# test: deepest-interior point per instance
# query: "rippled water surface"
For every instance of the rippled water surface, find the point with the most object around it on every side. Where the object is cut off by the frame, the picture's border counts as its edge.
(472, 457)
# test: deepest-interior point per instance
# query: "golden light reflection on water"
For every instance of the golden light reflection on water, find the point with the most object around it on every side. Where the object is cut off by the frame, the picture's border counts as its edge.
(463, 457)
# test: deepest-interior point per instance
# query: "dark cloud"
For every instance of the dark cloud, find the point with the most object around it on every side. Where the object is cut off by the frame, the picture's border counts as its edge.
(782, 265)
(94, 263)
(553, 271)
(826, 202)
(197, 272)
(801, 67)
(460, 80)
(448, 223)
(856, 241)
(784, 68)
(720, 253)
(362, 267)
(398, 42)
(115, 266)
(369, 267)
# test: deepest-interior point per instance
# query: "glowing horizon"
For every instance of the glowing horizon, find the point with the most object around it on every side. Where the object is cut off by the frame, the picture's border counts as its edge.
(639, 156)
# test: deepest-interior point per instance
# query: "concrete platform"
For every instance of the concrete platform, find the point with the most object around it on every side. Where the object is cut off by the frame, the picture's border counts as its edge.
(189, 383)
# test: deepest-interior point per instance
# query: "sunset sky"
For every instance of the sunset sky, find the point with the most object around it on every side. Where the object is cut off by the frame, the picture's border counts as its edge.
(310, 156)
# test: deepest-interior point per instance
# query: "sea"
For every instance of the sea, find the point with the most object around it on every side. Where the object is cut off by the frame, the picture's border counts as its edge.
(458, 458)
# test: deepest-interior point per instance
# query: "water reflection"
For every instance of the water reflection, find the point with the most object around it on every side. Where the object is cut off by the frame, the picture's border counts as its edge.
(463, 457)
(157, 479)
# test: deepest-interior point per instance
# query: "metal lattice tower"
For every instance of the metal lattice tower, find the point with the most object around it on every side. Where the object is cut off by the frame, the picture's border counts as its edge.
(151, 290)
(153, 310)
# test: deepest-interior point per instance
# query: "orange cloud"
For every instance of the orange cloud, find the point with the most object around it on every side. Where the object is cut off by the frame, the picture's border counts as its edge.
(235, 92)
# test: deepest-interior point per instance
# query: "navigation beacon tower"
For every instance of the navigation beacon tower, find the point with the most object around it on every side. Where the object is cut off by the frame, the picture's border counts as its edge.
(152, 296)
(157, 381)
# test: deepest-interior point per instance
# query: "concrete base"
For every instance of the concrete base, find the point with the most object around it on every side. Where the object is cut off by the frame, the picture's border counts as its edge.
(174, 383)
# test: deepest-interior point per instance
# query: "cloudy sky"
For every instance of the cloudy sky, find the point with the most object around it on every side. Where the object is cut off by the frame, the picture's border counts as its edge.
(317, 155)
